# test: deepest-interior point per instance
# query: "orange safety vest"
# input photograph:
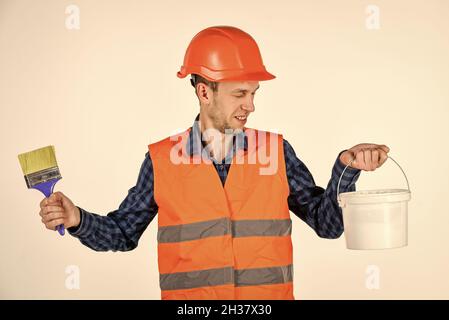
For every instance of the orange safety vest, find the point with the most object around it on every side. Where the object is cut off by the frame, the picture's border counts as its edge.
(216, 242)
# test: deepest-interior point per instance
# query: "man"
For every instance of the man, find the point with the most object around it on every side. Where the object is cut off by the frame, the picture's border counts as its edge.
(223, 192)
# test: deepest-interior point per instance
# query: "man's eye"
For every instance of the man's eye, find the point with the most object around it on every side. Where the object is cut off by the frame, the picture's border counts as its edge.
(239, 96)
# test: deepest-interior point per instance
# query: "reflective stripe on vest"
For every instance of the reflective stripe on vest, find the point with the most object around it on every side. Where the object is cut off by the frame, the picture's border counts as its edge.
(223, 226)
(223, 242)
(227, 275)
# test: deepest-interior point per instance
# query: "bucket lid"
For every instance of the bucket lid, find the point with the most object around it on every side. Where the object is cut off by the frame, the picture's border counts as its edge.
(374, 196)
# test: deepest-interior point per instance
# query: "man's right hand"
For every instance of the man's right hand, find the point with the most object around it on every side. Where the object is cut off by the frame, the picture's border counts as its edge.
(58, 209)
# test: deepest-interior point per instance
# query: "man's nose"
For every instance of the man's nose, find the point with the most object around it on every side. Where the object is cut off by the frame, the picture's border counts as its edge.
(249, 106)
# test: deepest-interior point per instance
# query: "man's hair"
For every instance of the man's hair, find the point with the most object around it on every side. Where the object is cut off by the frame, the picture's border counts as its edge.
(195, 79)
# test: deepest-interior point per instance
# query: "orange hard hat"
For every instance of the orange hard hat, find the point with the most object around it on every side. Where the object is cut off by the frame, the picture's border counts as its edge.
(224, 53)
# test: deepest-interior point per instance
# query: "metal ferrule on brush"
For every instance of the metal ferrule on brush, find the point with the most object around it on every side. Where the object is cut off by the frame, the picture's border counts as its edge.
(42, 176)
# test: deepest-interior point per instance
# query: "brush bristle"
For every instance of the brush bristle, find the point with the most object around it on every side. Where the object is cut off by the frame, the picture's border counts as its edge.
(37, 160)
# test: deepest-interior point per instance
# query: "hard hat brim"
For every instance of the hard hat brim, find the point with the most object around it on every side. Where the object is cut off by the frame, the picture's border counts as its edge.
(230, 75)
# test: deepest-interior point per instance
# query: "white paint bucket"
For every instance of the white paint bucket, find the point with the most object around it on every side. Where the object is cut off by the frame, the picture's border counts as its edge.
(375, 219)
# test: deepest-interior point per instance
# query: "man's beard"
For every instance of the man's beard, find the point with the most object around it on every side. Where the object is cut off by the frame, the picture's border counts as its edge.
(219, 121)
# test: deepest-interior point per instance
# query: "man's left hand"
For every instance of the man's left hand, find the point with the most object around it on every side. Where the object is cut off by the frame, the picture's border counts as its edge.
(368, 156)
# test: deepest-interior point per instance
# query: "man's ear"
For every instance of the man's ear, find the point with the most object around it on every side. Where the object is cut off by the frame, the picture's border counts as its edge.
(204, 93)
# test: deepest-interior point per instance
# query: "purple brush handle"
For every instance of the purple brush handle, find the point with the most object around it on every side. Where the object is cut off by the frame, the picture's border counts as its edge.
(47, 189)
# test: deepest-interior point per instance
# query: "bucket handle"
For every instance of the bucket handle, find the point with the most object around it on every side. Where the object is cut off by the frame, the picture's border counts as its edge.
(338, 185)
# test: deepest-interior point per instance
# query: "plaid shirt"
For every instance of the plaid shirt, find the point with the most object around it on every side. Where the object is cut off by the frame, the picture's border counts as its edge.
(121, 229)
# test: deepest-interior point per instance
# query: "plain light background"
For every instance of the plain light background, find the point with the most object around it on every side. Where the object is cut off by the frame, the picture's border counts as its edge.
(102, 93)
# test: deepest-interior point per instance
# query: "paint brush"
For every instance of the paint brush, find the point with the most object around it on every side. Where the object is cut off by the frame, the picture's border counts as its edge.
(41, 172)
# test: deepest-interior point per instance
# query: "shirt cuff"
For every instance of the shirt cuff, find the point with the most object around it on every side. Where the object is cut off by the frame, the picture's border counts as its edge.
(349, 177)
(85, 226)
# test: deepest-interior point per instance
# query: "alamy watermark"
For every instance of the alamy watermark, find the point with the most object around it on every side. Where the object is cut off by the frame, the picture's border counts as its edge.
(72, 20)
(372, 281)
(262, 148)
(372, 21)
(72, 281)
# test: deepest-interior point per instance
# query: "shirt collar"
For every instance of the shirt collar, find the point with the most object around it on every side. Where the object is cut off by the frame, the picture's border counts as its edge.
(195, 144)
